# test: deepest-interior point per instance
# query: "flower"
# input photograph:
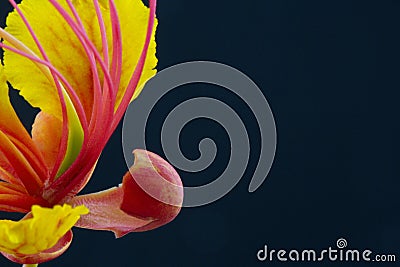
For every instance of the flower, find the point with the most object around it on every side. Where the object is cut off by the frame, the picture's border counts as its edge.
(81, 63)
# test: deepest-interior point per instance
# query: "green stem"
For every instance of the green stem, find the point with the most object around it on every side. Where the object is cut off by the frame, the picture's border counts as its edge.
(30, 265)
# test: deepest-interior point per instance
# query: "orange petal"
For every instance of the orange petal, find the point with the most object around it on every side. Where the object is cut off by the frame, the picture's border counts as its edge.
(46, 134)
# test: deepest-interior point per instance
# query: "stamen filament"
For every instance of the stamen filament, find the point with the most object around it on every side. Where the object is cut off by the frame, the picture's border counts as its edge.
(138, 70)
(93, 66)
(116, 65)
(65, 130)
(96, 130)
(63, 187)
(71, 92)
(103, 32)
(98, 124)
(21, 165)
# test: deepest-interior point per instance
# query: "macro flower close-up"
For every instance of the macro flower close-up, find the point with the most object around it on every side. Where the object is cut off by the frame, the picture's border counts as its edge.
(81, 63)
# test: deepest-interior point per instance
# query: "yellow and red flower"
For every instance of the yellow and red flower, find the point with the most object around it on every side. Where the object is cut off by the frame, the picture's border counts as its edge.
(81, 62)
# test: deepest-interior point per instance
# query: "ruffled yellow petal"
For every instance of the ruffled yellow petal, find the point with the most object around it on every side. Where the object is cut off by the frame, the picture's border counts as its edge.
(62, 48)
(67, 54)
(41, 232)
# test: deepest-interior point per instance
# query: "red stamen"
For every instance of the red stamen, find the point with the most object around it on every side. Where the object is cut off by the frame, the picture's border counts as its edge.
(19, 202)
(71, 92)
(116, 65)
(96, 128)
(73, 178)
(21, 165)
(102, 109)
(138, 70)
(103, 32)
(65, 132)
(92, 62)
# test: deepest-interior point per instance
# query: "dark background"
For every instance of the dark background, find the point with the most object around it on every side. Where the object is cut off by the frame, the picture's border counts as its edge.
(330, 71)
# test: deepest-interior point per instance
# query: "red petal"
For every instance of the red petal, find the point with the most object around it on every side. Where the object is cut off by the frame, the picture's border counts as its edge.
(129, 208)
(152, 189)
(105, 213)
(46, 255)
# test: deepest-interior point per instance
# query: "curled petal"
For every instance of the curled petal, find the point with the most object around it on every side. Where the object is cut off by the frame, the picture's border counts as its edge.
(39, 233)
(152, 189)
(128, 208)
(47, 255)
(106, 214)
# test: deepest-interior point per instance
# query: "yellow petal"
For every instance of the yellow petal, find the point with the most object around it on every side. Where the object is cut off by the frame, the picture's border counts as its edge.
(61, 46)
(66, 53)
(41, 232)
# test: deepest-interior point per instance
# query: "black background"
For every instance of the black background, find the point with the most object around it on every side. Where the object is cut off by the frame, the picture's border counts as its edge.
(329, 70)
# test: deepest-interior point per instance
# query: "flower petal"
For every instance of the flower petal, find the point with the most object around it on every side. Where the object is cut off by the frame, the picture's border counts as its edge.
(62, 48)
(152, 189)
(128, 208)
(106, 214)
(41, 232)
(47, 255)
(66, 53)
(46, 134)
(134, 15)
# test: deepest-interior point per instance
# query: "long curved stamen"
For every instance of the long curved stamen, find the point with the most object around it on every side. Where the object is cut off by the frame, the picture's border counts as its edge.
(109, 99)
(85, 42)
(103, 32)
(89, 46)
(99, 124)
(116, 65)
(26, 52)
(104, 41)
(68, 87)
(29, 178)
(7, 176)
(62, 187)
(138, 70)
(7, 188)
(30, 156)
(92, 61)
(103, 108)
(65, 119)
(19, 202)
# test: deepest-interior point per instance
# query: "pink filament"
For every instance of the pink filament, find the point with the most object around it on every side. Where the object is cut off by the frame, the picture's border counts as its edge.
(138, 70)
(116, 67)
(104, 118)
(64, 137)
(72, 180)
